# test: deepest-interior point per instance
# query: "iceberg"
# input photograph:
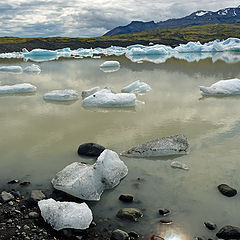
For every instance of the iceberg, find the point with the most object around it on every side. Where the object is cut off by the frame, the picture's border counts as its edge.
(32, 68)
(61, 95)
(222, 88)
(173, 145)
(105, 98)
(177, 164)
(17, 88)
(89, 92)
(110, 64)
(89, 181)
(39, 52)
(62, 215)
(137, 87)
(11, 68)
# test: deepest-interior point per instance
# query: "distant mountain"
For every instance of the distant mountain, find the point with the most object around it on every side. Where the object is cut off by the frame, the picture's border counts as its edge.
(201, 17)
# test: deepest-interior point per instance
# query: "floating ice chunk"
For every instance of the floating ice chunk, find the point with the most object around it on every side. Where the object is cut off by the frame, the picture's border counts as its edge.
(32, 68)
(61, 95)
(177, 164)
(172, 145)
(89, 181)
(62, 215)
(18, 88)
(110, 64)
(11, 68)
(105, 98)
(39, 52)
(223, 87)
(137, 87)
(89, 92)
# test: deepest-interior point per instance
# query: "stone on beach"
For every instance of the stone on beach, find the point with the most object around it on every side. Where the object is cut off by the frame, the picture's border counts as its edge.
(131, 214)
(89, 181)
(105, 98)
(90, 149)
(136, 87)
(17, 88)
(32, 68)
(62, 215)
(11, 68)
(173, 145)
(223, 87)
(110, 64)
(177, 164)
(89, 92)
(61, 95)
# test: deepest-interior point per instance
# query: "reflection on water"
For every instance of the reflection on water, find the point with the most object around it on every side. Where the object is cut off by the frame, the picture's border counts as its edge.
(39, 138)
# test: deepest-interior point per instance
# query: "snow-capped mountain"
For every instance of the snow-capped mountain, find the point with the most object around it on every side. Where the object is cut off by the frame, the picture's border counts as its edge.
(201, 17)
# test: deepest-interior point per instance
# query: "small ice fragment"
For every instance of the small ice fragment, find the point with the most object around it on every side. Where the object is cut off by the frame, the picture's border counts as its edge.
(32, 68)
(61, 95)
(17, 88)
(89, 92)
(11, 68)
(137, 87)
(110, 64)
(177, 164)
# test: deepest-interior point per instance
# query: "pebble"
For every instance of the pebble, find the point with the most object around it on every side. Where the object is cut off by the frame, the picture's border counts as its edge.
(119, 235)
(13, 181)
(167, 222)
(37, 195)
(24, 183)
(11, 203)
(126, 198)
(33, 215)
(133, 234)
(209, 225)
(164, 212)
(6, 196)
(26, 227)
(227, 190)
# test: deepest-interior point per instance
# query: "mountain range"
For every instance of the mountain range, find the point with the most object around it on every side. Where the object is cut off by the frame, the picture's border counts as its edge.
(200, 17)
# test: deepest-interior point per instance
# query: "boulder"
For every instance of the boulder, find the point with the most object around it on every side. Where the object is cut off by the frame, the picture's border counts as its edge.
(132, 214)
(62, 215)
(227, 190)
(173, 145)
(90, 149)
(229, 232)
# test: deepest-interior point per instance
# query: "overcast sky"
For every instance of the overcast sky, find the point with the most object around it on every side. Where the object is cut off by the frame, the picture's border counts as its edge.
(86, 18)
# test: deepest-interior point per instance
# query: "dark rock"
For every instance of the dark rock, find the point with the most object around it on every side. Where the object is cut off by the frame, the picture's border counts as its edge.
(6, 196)
(25, 183)
(167, 222)
(90, 149)
(13, 181)
(164, 212)
(132, 214)
(229, 232)
(126, 198)
(37, 195)
(119, 235)
(156, 237)
(209, 225)
(133, 234)
(227, 190)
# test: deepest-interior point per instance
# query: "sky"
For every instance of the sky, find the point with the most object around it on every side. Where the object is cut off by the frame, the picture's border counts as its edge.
(85, 18)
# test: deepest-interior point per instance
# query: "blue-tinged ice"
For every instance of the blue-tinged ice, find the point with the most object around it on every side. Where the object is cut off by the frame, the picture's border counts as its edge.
(61, 95)
(18, 88)
(137, 87)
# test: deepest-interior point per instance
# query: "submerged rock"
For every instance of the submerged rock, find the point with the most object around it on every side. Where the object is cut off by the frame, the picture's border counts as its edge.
(90, 149)
(119, 235)
(229, 232)
(110, 64)
(177, 164)
(227, 190)
(89, 181)
(17, 88)
(105, 98)
(62, 215)
(126, 198)
(32, 68)
(61, 95)
(89, 92)
(137, 87)
(132, 214)
(209, 225)
(11, 68)
(223, 87)
(172, 145)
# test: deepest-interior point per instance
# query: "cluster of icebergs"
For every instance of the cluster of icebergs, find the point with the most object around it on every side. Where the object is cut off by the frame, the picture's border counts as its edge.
(192, 51)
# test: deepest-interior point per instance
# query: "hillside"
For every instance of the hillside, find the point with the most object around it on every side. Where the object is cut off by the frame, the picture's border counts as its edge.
(171, 37)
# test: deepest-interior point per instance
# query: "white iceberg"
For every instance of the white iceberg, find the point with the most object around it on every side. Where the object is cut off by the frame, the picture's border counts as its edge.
(62, 215)
(17, 88)
(39, 52)
(11, 68)
(177, 164)
(108, 64)
(173, 145)
(137, 87)
(32, 68)
(61, 95)
(89, 92)
(89, 181)
(223, 87)
(105, 98)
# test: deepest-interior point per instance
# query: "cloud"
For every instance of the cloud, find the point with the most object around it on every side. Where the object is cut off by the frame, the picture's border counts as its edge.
(82, 18)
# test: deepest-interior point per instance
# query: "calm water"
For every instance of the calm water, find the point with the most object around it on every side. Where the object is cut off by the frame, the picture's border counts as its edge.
(39, 138)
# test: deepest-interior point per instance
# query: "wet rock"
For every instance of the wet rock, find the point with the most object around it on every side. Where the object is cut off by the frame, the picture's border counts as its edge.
(90, 149)
(164, 212)
(37, 195)
(119, 235)
(33, 215)
(13, 181)
(156, 237)
(25, 183)
(227, 190)
(6, 196)
(165, 146)
(209, 225)
(132, 214)
(229, 232)
(166, 222)
(10, 203)
(133, 234)
(126, 198)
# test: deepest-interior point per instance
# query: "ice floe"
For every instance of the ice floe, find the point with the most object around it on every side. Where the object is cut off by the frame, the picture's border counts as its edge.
(61, 215)
(89, 181)
(173, 145)
(11, 69)
(106, 98)
(32, 68)
(177, 164)
(223, 87)
(61, 95)
(89, 92)
(17, 88)
(108, 64)
(136, 87)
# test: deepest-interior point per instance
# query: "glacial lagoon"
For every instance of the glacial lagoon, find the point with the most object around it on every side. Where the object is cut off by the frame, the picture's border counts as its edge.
(39, 138)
